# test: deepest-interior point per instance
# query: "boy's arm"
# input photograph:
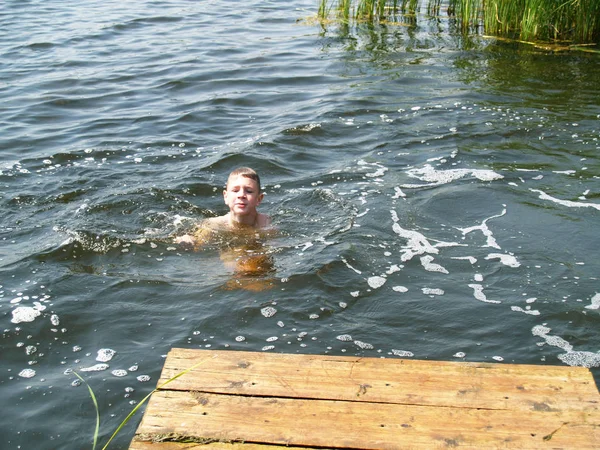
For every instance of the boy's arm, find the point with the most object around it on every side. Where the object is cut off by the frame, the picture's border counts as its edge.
(197, 239)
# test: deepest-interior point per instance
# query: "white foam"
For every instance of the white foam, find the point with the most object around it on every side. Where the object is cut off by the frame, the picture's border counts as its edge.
(119, 373)
(363, 345)
(490, 240)
(595, 302)
(393, 269)
(27, 373)
(398, 193)
(403, 353)
(400, 289)
(432, 291)
(344, 338)
(430, 266)
(350, 267)
(581, 359)
(105, 354)
(438, 177)
(94, 368)
(479, 295)
(24, 314)
(567, 203)
(376, 282)
(459, 355)
(531, 312)
(268, 311)
(471, 259)
(507, 260)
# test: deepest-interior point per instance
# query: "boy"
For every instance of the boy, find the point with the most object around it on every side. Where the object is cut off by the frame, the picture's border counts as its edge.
(242, 195)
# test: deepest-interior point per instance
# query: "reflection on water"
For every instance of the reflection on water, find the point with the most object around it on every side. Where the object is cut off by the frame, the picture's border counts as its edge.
(435, 197)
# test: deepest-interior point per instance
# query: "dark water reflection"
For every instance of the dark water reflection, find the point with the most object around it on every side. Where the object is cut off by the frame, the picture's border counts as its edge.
(436, 196)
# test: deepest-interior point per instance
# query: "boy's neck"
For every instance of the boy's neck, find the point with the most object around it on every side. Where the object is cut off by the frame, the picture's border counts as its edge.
(247, 220)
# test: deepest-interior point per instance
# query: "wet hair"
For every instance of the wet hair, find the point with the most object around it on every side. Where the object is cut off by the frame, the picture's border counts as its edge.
(246, 172)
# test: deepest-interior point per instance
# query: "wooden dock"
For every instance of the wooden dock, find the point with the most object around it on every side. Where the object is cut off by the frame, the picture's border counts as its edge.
(259, 401)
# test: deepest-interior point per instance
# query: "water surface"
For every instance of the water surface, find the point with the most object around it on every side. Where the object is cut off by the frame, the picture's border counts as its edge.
(437, 197)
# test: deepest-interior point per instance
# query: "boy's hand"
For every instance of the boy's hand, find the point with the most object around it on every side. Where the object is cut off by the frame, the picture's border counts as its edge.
(186, 239)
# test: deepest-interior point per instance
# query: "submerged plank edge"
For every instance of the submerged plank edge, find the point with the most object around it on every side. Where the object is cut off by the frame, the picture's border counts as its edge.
(249, 400)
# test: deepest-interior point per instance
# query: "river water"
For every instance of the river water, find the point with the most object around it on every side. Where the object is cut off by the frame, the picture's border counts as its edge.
(437, 197)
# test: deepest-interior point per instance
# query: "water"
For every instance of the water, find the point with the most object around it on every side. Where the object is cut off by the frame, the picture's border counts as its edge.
(437, 198)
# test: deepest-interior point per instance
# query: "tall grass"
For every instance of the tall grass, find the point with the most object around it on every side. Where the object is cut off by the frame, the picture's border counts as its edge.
(133, 411)
(575, 21)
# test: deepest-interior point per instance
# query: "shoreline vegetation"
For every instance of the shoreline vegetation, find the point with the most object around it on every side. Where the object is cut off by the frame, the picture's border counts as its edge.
(566, 23)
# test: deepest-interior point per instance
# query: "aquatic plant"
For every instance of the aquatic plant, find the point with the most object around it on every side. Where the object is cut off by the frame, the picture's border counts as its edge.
(541, 20)
(133, 411)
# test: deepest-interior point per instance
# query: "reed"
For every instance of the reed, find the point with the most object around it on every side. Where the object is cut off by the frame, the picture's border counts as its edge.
(133, 411)
(575, 21)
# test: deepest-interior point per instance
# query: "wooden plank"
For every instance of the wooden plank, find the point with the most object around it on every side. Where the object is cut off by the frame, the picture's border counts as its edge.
(259, 401)
(435, 383)
(345, 424)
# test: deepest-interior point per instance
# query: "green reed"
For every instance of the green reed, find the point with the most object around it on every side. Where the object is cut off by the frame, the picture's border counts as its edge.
(531, 20)
(133, 411)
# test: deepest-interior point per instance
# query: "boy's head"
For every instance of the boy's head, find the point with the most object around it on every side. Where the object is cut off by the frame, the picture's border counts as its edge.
(243, 193)
(245, 172)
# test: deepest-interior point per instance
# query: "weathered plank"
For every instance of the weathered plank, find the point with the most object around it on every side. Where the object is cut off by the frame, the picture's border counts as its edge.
(435, 383)
(246, 401)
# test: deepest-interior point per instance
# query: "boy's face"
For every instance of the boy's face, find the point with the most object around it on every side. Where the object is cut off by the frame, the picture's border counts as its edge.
(242, 195)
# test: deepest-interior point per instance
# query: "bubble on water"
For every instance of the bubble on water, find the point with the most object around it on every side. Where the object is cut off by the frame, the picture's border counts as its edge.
(459, 355)
(240, 338)
(507, 260)
(105, 354)
(479, 295)
(427, 263)
(313, 316)
(280, 324)
(119, 373)
(432, 291)
(143, 378)
(581, 359)
(400, 289)
(16, 300)
(54, 320)
(376, 282)
(76, 348)
(268, 311)
(363, 345)
(343, 304)
(129, 390)
(76, 383)
(532, 312)
(27, 373)
(25, 314)
(355, 293)
(403, 353)
(133, 368)
(267, 348)
(478, 277)
(272, 339)
(344, 338)
(94, 368)
(498, 358)
(595, 302)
